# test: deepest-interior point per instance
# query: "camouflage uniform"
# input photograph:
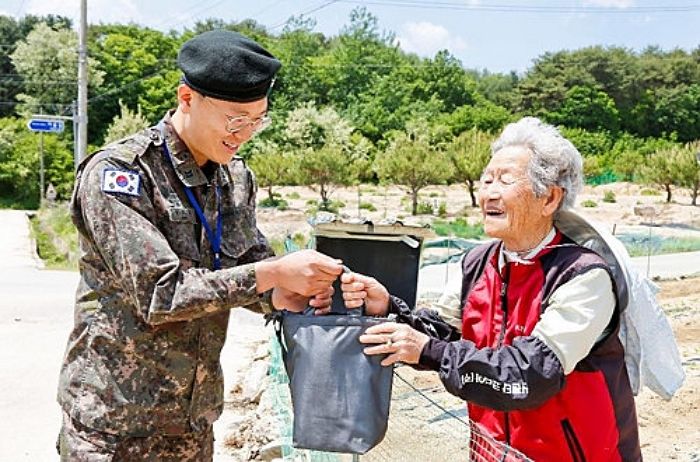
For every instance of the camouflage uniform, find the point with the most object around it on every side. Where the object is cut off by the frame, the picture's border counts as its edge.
(151, 315)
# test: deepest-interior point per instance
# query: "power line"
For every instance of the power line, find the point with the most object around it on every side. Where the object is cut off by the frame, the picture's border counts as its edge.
(514, 8)
(304, 13)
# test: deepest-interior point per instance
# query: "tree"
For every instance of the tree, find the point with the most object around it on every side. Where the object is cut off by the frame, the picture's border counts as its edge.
(588, 108)
(688, 166)
(411, 160)
(142, 73)
(328, 152)
(13, 32)
(127, 123)
(273, 166)
(660, 169)
(47, 52)
(469, 153)
(19, 163)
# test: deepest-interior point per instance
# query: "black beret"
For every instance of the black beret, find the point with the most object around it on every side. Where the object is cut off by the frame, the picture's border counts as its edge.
(227, 65)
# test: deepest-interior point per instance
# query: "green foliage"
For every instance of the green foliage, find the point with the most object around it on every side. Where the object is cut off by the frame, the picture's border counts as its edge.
(56, 237)
(413, 161)
(423, 208)
(589, 203)
(368, 206)
(329, 156)
(12, 33)
(442, 210)
(469, 153)
(127, 123)
(458, 228)
(616, 105)
(609, 197)
(48, 52)
(275, 202)
(660, 169)
(588, 108)
(272, 167)
(649, 192)
(688, 169)
(19, 164)
(644, 244)
(293, 195)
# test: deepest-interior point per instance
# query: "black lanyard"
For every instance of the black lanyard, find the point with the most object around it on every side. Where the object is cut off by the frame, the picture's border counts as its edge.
(214, 238)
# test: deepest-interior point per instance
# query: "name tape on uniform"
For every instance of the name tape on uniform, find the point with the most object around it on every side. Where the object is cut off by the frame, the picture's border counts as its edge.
(121, 181)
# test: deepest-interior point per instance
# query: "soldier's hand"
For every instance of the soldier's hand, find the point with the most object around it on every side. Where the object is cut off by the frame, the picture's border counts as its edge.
(305, 272)
(283, 299)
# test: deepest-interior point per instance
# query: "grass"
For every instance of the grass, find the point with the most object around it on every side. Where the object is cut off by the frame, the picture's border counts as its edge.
(458, 228)
(56, 237)
(641, 244)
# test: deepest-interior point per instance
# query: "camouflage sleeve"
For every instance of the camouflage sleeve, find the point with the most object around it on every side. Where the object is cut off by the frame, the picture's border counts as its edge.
(138, 258)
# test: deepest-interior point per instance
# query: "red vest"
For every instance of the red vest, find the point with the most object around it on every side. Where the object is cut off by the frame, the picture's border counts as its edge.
(593, 417)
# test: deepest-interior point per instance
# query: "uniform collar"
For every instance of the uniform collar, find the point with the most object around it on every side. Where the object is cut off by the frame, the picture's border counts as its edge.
(185, 166)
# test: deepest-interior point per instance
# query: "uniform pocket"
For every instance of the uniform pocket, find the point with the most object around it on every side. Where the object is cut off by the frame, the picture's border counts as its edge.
(180, 232)
(240, 233)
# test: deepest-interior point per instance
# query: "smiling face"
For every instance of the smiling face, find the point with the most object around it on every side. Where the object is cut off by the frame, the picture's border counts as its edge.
(201, 122)
(510, 209)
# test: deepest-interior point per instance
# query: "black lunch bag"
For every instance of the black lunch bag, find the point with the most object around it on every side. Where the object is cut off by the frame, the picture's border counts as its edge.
(340, 396)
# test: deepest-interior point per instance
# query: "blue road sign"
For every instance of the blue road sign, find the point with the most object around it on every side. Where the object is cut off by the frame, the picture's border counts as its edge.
(45, 125)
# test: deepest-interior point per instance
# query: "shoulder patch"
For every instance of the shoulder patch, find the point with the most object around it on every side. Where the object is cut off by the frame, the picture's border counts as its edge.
(121, 181)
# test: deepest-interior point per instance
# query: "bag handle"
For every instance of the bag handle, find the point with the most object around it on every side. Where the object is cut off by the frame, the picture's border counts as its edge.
(344, 311)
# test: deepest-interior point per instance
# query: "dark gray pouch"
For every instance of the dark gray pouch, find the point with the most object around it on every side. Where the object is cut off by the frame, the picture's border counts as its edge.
(340, 396)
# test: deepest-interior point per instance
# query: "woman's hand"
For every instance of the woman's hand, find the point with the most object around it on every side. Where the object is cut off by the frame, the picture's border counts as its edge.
(358, 289)
(400, 342)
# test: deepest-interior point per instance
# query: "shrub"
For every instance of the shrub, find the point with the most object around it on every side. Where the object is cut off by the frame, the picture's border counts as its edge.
(276, 202)
(442, 210)
(650, 192)
(368, 206)
(424, 208)
(589, 203)
(609, 197)
(293, 195)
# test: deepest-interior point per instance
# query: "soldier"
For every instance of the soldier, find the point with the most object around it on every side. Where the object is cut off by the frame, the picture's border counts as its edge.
(170, 244)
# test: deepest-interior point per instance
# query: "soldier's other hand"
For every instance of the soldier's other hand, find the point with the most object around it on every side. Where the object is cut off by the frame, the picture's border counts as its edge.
(322, 302)
(358, 289)
(305, 272)
(283, 299)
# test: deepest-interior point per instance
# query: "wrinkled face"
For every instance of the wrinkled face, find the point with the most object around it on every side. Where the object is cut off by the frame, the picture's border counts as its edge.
(510, 209)
(209, 120)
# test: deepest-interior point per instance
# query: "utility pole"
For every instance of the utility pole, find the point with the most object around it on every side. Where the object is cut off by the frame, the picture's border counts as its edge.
(82, 83)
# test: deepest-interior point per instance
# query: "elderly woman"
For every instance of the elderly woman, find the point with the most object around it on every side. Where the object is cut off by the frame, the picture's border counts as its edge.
(537, 356)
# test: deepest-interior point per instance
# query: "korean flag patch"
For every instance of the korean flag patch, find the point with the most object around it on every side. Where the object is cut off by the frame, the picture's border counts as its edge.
(121, 181)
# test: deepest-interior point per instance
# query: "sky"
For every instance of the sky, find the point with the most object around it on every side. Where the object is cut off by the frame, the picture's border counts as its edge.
(496, 35)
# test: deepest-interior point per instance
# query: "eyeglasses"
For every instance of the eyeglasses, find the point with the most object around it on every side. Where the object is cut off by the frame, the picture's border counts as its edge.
(238, 123)
(235, 124)
(505, 179)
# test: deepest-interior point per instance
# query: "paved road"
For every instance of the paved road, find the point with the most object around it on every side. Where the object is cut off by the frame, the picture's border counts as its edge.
(35, 318)
(36, 315)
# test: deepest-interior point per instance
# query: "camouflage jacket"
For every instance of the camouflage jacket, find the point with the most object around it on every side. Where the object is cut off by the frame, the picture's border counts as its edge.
(151, 315)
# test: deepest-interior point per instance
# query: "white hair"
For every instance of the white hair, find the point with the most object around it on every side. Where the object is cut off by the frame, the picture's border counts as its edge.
(554, 160)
